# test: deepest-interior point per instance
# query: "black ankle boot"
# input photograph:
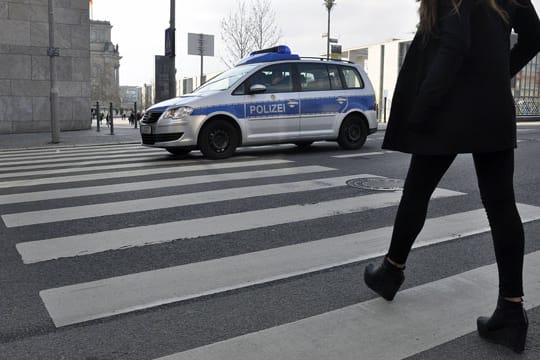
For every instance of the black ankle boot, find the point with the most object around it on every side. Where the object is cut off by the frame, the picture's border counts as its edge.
(507, 326)
(385, 279)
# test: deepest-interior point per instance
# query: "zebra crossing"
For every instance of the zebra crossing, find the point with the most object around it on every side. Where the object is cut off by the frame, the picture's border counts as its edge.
(45, 202)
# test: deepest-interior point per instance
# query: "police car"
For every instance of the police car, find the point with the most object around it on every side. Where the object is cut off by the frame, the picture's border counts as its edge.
(270, 97)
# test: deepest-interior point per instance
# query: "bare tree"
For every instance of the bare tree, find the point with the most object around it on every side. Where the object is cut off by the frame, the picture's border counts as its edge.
(265, 32)
(246, 30)
(235, 32)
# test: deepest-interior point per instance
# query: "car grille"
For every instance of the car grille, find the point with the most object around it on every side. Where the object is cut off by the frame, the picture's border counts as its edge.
(151, 117)
(151, 139)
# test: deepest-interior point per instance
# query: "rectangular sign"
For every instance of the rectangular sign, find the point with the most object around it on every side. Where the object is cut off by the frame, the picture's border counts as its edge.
(200, 44)
(336, 51)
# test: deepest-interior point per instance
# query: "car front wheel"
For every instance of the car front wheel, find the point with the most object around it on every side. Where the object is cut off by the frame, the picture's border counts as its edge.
(219, 139)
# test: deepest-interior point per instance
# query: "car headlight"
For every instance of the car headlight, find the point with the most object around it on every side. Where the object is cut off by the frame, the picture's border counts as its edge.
(177, 113)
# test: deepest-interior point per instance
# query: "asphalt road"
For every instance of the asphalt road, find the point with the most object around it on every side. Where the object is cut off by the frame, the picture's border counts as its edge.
(71, 274)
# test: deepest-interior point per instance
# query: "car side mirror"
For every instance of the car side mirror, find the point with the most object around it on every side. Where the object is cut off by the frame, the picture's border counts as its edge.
(257, 89)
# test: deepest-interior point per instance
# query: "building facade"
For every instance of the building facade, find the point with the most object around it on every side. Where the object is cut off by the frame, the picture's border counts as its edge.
(25, 84)
(129, 95)
(147, 96)
(383, 61)
(105, 66)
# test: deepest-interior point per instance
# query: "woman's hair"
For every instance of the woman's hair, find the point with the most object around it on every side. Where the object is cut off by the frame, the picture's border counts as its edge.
(428, 13)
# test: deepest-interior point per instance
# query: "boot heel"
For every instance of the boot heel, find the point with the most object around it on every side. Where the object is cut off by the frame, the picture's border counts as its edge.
(519, 339)
(507, 326)
(513, 338)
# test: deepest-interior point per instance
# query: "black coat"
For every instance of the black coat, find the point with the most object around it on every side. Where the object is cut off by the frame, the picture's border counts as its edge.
(453, 93)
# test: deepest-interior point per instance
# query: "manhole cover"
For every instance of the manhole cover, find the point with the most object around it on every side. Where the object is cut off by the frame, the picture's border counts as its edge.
(377, 183)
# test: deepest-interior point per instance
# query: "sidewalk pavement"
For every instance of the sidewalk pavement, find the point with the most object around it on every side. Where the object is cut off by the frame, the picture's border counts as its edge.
(124, 133)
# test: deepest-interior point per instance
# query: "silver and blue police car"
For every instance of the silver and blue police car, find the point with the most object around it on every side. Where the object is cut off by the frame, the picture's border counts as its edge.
(270, 97)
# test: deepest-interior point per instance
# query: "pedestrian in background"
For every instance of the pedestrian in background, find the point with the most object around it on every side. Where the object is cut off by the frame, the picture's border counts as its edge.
(453, 96)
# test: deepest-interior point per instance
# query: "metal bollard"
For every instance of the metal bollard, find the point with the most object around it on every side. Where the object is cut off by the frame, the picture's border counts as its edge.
(97, 115)
(112, 118)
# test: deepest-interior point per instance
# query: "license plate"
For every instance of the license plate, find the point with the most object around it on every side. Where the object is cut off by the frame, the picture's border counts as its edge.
(146, 129)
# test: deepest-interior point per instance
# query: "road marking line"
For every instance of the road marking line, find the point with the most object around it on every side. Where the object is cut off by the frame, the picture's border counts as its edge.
(102, 298)
(171, 201)
(418, 319)
(81, 163)
(95, 155)
(78, 245)
(143, 172)
(20, 154)
(78, 168)
(363, 154)
(156, 184)
(62, 162)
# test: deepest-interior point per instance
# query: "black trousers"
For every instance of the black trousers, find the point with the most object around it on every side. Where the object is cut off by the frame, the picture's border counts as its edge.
(494, 172)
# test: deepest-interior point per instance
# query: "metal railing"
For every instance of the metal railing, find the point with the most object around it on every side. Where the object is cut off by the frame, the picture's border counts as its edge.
(527, 107)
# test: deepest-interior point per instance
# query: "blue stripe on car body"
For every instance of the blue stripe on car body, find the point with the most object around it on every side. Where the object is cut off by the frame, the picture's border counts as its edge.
(363, 102)
(318, 105)
(236, 110)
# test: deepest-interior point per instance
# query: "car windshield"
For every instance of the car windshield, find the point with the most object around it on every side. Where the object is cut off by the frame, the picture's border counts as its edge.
(225, 80)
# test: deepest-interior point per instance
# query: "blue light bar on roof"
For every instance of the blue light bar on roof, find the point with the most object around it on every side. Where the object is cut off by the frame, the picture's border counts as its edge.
(280, 52)
(280, 49)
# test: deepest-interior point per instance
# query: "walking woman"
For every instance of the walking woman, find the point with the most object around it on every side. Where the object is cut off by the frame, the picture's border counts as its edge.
(453, 96)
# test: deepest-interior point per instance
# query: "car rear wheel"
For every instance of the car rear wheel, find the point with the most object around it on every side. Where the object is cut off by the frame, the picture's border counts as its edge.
(353, 133)
(218, 139)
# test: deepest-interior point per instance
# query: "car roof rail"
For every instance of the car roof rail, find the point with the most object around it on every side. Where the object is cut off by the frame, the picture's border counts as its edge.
(325, 59)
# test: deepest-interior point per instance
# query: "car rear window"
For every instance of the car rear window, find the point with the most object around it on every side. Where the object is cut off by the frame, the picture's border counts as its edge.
(352, 78)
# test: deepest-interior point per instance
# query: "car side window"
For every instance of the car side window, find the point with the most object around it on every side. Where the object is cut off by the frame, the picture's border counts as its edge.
(314, 77)
(240, 90)
(335, 79)
(352, 78)
(277, 78)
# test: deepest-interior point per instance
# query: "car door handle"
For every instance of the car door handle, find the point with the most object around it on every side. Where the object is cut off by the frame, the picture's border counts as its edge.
(293, 103)
(341, 100)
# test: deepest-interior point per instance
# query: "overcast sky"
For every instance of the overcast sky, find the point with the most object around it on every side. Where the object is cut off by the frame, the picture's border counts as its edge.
(139, 25)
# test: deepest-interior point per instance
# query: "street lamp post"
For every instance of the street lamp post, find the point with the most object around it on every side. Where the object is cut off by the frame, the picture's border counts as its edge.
(172, 69)
(53, 52)
(329, 5)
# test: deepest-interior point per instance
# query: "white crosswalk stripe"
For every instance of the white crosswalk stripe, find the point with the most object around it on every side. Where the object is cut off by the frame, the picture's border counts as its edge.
(76, 245)
(163, 202)
(85, 168)
(154, 184)
(60, 157)
(42, 219)
(431, 314)
(83, 302)
(132, 173)
(362, 154)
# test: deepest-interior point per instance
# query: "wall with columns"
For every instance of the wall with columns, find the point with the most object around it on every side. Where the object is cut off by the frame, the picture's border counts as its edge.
(25, 65)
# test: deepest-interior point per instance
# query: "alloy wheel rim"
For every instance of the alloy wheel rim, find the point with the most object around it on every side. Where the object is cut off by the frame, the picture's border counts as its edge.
(354, 133)
(219, 140)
